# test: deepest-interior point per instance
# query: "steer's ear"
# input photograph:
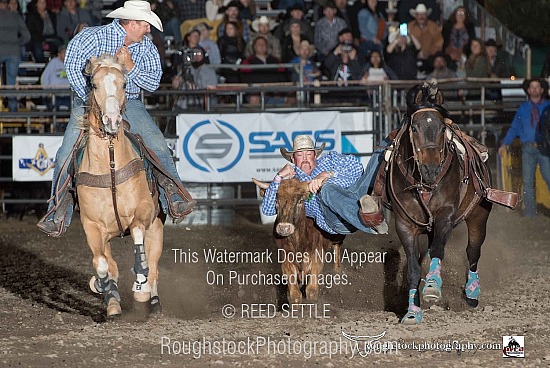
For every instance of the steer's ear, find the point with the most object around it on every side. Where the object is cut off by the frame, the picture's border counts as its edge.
(262, 185)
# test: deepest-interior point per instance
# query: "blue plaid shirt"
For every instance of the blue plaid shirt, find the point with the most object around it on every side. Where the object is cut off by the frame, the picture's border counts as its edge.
(95, 41)
(347, 170)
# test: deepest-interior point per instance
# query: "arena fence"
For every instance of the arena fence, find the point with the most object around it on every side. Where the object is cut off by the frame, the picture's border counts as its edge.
(482, 107)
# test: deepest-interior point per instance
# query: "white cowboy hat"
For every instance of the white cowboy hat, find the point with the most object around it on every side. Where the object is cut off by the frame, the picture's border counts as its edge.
(301, 143)
(137, 10)
(420, 8)
(263, 20)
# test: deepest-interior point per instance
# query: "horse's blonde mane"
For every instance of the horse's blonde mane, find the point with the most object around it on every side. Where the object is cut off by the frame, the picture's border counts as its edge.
(108, 60)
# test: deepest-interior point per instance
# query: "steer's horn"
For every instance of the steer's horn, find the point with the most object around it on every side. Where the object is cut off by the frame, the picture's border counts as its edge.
(261, 184)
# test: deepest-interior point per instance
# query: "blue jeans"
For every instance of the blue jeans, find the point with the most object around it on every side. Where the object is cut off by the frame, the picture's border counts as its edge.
(140, 123)
(530, 157)
(340, 206)
(12, 68)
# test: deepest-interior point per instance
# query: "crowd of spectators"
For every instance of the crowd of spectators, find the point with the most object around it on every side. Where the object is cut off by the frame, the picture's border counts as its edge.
(335, 40)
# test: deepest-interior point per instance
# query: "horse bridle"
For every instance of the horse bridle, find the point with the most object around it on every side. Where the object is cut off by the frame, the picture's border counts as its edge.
(421, 187)
(95, 109)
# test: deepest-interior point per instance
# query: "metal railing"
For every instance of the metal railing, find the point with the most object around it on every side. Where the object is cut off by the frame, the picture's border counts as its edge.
(474, 111)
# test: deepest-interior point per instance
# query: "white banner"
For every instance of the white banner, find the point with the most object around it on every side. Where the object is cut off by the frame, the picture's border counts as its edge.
(34, 157)
(236, 147)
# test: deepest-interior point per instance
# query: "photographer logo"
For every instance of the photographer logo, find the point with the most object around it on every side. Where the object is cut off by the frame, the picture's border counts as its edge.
(213, 146)
(513, 346)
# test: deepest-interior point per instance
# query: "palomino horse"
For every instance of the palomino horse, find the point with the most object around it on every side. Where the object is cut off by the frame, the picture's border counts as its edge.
(432, 189)
(113, 191)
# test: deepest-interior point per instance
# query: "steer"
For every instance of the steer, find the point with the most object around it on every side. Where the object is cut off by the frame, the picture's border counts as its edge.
(302, 242)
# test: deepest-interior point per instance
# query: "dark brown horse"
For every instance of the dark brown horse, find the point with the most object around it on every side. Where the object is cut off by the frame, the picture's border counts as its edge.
(435, 179)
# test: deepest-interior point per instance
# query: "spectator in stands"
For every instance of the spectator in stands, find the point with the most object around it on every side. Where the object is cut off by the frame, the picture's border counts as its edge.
(168, 12)
(372, 28)
(232, 47)
(191, 9)
(343, 65)
(13, 35)
(206, 43)
(326, 31)
(440, 68)
(310, 70)
(55, 76)
(344, 11)
(376, 70)
(289, 4)
(193, 72)
(213, 7)
(41, 27)
(94, 7)
(458, 32)
(292, 42)
(261, 57)
(232, 14)
(67, 19)
(499, 60)
(525, 126)
(402, 54)
(404, 6)
(477, 65)
(428, 33)
(263, 27)
(354, 22)
(248, 10)
(295, 12)
(345, 37)
(13, 6)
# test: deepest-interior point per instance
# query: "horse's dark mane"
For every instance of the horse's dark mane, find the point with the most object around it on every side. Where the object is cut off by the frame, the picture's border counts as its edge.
(428, 98)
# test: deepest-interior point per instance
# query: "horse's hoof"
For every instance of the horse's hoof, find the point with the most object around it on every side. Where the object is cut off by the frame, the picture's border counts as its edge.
(113, 308)
(412, 318)
(92, 285)
(155, 305)
(472, 302)
(431, 293)
(142, 297)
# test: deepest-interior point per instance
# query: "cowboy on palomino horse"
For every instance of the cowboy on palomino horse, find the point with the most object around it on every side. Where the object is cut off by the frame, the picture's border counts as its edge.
(124, 38)
(114, 190)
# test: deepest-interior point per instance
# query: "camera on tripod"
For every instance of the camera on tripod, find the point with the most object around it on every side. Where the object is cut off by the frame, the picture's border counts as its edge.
(191, 55)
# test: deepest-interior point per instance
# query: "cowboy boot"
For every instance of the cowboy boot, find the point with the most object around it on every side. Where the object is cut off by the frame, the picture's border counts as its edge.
(371, 214)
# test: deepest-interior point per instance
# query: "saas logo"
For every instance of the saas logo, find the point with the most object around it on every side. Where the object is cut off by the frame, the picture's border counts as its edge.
(41, 163)
(213, 146)
(513, 346)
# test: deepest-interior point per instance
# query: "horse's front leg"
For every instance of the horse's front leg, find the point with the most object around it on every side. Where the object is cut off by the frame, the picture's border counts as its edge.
(477, 228)
(105, 281)
(408, 235)
(438, 237)
(141, 287)
(153, 249)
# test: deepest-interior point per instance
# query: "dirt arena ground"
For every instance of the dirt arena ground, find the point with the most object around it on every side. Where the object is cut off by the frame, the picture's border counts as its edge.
(49, 318)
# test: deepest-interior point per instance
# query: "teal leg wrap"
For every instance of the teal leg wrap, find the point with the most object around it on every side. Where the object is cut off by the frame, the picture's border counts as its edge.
(433, 282)
(472, 287)
(414, 312)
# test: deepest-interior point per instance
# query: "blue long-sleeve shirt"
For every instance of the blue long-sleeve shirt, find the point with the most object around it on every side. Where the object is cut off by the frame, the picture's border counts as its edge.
(347, 169)
(521, 125)
(95, 41)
